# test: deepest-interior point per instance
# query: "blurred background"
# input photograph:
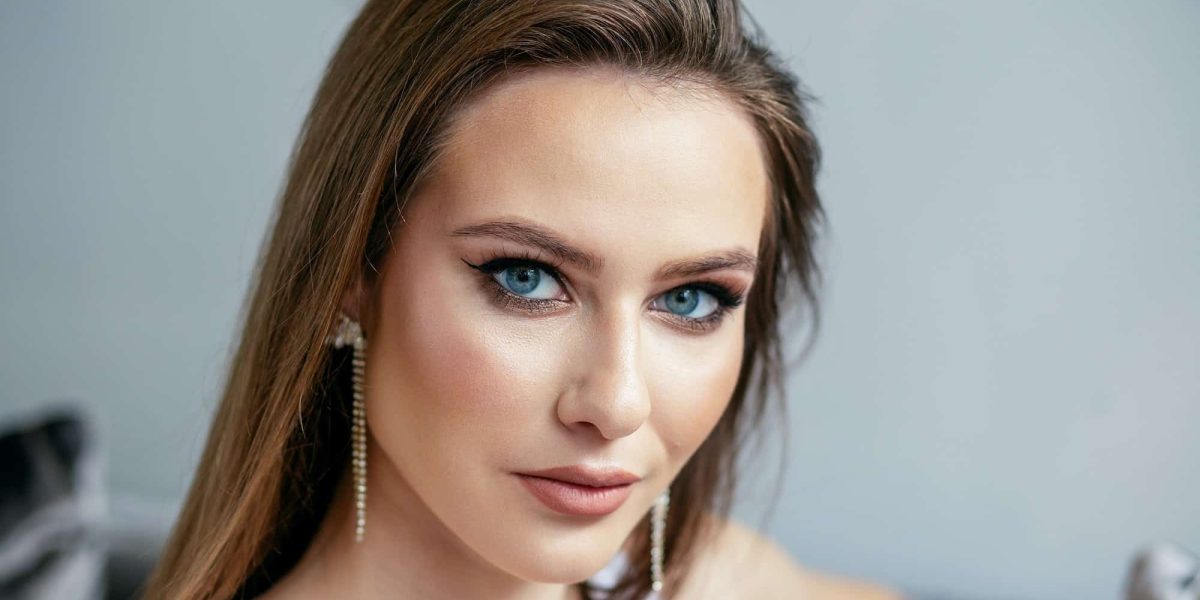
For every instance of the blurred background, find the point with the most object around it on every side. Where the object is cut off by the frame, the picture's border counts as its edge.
(1004, 398)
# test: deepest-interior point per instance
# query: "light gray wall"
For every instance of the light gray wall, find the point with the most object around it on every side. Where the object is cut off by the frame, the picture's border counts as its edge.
(142, 146)
(1004, 398)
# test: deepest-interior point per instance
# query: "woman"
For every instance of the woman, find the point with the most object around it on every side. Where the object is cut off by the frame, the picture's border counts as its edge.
(516, 314)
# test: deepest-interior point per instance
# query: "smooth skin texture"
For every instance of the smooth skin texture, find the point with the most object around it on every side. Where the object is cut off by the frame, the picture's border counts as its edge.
(589, 356)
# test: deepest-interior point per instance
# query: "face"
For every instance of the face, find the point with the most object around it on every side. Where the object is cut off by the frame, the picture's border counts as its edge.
(565, 290)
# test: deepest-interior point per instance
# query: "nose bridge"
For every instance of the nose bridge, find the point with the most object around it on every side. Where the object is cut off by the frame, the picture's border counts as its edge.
(612, 392)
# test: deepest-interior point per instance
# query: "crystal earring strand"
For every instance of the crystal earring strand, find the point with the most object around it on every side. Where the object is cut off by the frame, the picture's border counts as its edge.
(658, 527)
(349, 333)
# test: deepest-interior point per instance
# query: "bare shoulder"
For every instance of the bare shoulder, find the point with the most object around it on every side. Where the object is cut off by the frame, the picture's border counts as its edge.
(737, 562)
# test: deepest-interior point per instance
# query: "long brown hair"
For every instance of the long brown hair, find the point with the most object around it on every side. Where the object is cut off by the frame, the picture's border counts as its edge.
(278, 441)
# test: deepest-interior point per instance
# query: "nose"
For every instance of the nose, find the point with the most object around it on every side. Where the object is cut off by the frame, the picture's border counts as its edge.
(610, 394)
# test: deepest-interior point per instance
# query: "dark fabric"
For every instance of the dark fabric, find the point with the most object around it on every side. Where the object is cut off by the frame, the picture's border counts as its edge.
(51, 507)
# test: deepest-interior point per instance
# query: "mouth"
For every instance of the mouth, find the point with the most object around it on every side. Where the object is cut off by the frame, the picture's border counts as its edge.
(580, 491)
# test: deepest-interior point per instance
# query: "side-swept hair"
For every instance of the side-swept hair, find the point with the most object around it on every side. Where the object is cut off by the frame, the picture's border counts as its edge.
(279, 438)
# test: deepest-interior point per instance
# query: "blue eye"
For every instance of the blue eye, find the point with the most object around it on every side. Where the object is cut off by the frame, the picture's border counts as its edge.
(530, 285)
(528, 281)
(684, 302)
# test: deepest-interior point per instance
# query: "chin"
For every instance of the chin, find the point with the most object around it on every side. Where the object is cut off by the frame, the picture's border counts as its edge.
(562, 569)
(554, 555)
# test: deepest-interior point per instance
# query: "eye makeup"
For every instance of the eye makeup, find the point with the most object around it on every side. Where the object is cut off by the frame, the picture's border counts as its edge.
(506, 299)
(727, 298)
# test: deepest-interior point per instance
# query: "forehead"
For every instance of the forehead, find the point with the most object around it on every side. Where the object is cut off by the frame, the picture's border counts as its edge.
(616, 164)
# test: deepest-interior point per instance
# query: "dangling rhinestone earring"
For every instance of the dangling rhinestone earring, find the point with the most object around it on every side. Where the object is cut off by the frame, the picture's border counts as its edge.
(349, 333)
(658, 527)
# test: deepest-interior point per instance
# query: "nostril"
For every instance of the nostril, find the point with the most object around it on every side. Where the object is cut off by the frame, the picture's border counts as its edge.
(609, 392)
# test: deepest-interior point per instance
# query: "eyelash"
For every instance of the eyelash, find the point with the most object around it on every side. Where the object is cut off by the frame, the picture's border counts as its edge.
(727, 299)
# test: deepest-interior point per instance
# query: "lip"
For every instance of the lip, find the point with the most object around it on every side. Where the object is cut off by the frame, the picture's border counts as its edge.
(580, 491)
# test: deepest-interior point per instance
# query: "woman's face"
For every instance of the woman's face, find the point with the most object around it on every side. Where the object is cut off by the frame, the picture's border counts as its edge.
(564, 291)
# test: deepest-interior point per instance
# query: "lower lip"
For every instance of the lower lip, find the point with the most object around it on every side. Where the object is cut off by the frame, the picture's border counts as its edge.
(577, 500)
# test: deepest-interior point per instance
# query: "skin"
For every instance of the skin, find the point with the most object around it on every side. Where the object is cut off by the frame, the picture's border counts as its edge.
(464, 388)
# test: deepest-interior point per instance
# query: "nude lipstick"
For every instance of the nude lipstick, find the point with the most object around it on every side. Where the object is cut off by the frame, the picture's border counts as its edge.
(580, 491)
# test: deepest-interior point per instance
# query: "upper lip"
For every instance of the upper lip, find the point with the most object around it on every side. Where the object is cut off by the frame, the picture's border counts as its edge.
(589, 476)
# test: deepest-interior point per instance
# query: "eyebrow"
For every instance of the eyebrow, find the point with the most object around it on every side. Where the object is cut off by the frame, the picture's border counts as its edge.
(543, 238)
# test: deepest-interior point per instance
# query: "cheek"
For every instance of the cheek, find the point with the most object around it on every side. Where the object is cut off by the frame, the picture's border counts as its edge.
(452, 370)
(696, 380)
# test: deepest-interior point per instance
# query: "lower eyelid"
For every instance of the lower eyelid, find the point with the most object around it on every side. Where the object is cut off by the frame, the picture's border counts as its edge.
(507, 299)
(701, 325)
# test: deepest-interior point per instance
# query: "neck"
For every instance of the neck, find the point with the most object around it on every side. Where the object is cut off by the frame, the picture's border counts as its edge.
(406, 550)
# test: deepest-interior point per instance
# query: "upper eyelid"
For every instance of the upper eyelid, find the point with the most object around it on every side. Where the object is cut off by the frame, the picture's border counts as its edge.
(721, 292)
(531, 234)
(703, 284)
(689, 271)
(551, 265)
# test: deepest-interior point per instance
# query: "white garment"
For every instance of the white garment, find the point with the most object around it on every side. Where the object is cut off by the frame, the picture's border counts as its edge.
(607, 576)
